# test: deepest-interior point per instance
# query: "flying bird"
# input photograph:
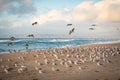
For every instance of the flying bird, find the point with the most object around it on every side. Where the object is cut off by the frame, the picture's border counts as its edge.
(91, 28)
(69, 24)
(93, 25)
(30, 36)
(71, 31)
(12, 38)
(34, 23)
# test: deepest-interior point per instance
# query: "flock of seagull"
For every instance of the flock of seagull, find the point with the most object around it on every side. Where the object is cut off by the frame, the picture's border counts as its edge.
(32, 35)
(71, 30)
(66, 57)
(54, 58)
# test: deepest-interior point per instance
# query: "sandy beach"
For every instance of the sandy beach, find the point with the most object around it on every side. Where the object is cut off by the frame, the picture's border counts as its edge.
(88, 62)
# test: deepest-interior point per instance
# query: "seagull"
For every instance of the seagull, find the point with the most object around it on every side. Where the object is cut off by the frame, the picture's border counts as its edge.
(69, 24)
(34, 23)
(71, 31)
(93, 25)
(91, 28)
(30, 36)
(12, 38)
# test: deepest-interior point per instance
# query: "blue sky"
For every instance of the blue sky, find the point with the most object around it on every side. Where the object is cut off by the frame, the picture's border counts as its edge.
(16, 17)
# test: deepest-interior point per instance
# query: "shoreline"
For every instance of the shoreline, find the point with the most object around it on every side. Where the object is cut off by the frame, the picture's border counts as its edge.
(97, 43)
(88, 62)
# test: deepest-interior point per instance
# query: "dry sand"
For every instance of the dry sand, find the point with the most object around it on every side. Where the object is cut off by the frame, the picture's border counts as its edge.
(89, 62)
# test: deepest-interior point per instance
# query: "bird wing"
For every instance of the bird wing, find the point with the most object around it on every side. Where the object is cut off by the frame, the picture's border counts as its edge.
(70, 32)
(69, 24)
(73, 29)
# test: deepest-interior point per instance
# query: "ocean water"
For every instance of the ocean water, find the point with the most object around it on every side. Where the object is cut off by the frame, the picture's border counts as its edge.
(46, 43)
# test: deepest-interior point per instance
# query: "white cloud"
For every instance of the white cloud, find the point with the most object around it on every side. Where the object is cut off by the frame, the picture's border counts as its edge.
(102, 11)
(108, 11)
(53, 15)
(83, 11)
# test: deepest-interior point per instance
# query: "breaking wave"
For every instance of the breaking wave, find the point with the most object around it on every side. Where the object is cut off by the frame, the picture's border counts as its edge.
(46, 43)
(4, 41)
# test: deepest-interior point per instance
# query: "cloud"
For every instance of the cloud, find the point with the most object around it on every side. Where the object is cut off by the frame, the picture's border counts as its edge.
(83, 12)
(87, 11)
(108, 11)
(17, 6)
(53, 15)
(12, 22)
(5, 4)
(102, 11)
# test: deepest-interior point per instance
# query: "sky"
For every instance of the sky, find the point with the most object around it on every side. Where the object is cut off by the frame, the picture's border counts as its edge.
(17, 16)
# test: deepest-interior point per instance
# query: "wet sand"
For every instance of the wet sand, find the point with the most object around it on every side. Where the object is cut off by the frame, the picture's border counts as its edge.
(89, 62)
